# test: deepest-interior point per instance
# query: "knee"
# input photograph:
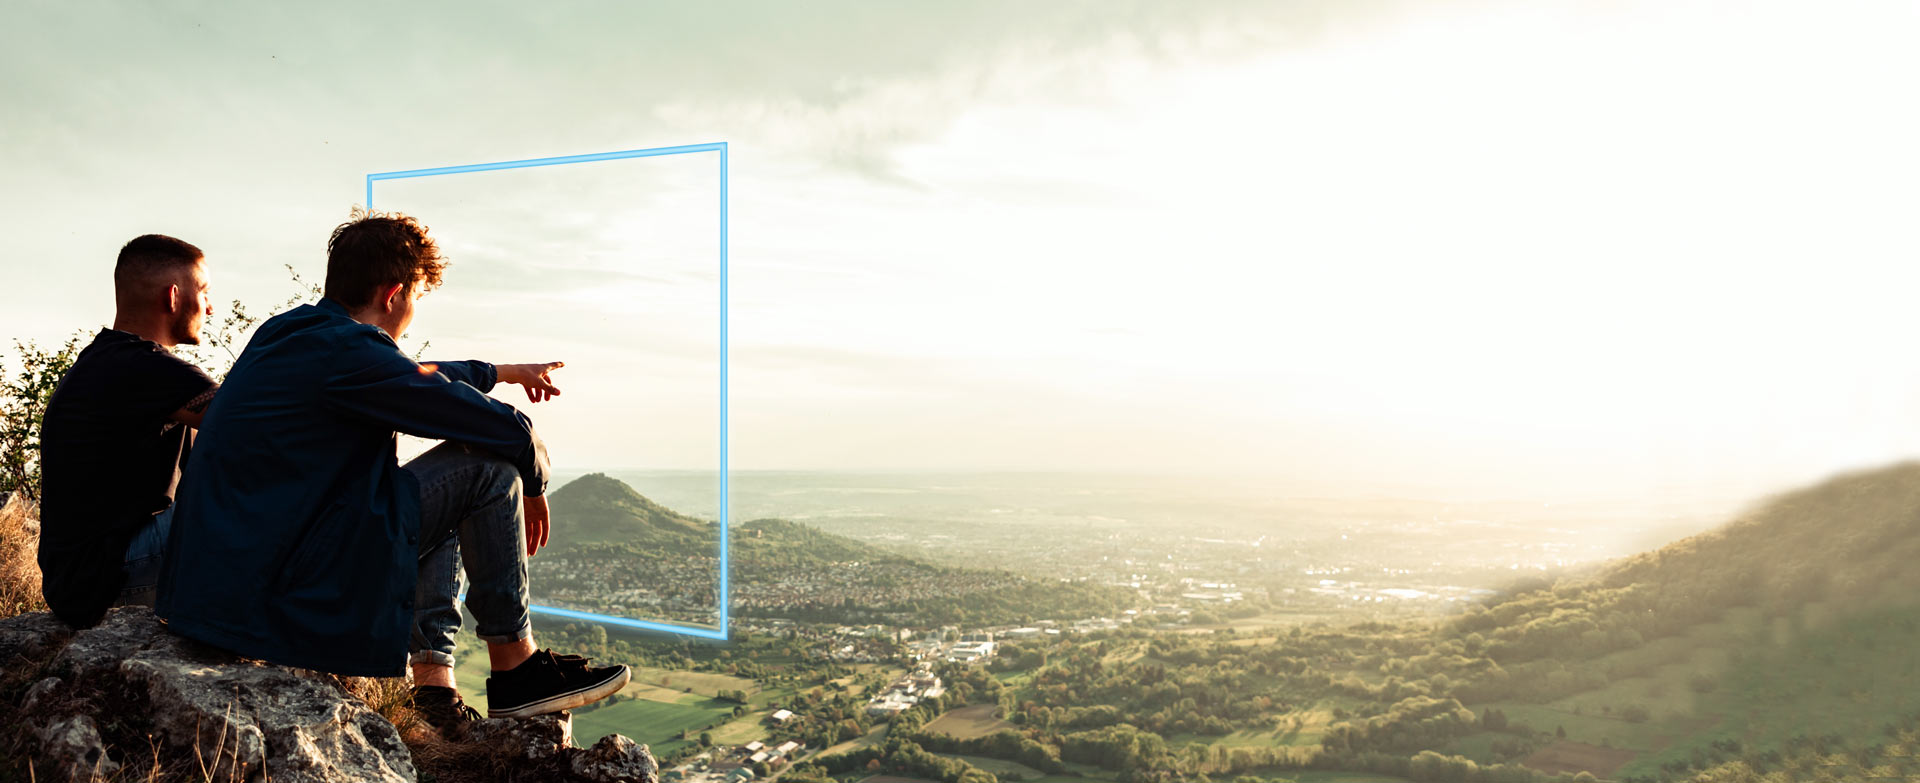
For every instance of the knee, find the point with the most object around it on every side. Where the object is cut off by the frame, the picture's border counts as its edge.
(502, 477)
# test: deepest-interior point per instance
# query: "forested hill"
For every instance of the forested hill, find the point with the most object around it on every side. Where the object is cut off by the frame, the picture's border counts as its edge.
(599, 509)
(1782, 636)
(617, 540)
(763, 540)
(1854, 537)
(1852, 542)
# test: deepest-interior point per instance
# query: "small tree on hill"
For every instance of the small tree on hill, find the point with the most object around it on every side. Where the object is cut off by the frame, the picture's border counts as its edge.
(23, 406)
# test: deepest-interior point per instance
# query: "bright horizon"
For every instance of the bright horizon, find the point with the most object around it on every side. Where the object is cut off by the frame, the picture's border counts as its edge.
(1563, 249)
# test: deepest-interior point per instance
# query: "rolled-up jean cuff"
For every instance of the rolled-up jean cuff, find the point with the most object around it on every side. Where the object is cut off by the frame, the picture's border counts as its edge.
(524, 632)
(434, 657)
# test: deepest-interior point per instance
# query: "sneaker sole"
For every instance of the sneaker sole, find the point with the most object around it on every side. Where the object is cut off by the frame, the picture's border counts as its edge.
(568, 700)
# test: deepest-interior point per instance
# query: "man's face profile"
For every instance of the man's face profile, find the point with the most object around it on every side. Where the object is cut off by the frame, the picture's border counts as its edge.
(195, 306)
(402, 302)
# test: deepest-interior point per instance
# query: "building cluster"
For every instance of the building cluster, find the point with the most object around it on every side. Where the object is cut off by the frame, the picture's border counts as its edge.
(679, 590)
(734, 764)
(683, 589)
(854, 583)
(862, 644)
(951, 645)
(1210, 592)
(1354, 591)
(757, 752)
(916, 686)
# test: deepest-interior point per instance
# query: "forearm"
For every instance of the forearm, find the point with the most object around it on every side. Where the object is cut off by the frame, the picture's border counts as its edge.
(473, 372)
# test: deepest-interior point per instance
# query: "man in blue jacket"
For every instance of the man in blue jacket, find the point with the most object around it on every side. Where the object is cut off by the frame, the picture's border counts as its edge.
(298, 539)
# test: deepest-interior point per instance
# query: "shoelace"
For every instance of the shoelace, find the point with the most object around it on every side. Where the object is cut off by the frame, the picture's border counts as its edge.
(570, 661)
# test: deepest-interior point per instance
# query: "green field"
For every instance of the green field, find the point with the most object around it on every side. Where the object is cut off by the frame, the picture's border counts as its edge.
(742, 730)
(1001, 768)
(1477, 746)
(1313, 725)
(703, 683)
(652, 722)
(968, 722)
(871, 738)
(1307, 735)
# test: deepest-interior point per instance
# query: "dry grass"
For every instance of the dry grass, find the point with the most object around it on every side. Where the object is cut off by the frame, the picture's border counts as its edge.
(19, 569)
(390, 697)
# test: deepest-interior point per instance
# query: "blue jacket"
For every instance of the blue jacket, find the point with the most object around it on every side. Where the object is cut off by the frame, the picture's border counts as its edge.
(295, 532)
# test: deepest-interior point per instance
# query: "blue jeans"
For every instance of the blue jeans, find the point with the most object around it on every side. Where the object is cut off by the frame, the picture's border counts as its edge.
(141, 570)
(471, 521)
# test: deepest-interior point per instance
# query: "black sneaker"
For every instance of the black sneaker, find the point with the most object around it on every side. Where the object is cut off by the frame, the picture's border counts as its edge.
(442, 708)
(550, 683)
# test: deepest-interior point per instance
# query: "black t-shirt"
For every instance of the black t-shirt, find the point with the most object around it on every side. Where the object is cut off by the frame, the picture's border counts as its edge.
(110, 458)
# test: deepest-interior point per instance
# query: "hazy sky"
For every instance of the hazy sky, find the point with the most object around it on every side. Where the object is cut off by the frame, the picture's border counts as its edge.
(1529, 246)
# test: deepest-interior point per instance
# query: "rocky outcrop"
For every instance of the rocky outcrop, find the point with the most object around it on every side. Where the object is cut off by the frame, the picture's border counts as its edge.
(540, 749)
(127, 693)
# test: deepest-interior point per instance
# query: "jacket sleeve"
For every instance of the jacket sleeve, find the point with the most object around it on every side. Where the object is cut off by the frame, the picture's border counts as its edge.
(372, 380)
(472, 372)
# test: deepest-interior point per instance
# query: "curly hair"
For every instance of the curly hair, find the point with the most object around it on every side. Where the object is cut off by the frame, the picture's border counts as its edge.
(373, 250)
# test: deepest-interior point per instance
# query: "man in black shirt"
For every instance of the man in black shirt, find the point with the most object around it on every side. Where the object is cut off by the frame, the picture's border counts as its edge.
(116, 433)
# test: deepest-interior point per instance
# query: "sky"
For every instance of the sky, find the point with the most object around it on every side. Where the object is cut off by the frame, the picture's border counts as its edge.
(1554, 249)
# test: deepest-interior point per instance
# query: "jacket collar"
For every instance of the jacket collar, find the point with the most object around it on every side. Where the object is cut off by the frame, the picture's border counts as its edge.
(327, 303)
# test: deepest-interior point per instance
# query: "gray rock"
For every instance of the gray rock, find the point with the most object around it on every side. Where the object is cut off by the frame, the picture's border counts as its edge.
(38, 694)
(250, 716)
(125, 632)
(30, 637)
(616, 759)
(241, 719)
(536, 738)
(73, 745)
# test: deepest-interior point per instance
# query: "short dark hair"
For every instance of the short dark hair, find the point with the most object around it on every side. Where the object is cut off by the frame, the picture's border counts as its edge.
(148, 260)
(373, 250)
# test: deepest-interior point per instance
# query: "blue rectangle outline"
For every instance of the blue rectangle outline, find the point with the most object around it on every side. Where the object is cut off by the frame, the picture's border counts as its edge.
(720, 147)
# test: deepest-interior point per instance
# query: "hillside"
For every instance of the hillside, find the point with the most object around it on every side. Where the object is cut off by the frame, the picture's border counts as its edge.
(1789, 627)
(1854, 537)
(1851, 540)
(597, 508)
(614, 550)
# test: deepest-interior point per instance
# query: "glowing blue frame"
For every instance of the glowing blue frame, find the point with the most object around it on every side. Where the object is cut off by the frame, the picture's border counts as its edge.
(720, 147)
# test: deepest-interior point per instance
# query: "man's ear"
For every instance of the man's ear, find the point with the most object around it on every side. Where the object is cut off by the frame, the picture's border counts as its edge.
(392, 297)
(173, 299)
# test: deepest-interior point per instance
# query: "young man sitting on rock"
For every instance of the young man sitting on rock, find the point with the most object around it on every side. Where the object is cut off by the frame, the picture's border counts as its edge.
(300, 540)
(115, 433)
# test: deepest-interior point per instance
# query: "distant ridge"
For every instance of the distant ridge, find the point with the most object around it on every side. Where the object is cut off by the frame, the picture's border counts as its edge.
(783, 568)
(597, 508)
